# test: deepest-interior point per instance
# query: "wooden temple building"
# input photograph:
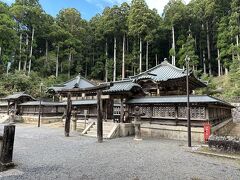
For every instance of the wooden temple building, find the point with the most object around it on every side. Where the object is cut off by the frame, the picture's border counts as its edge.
(160, 92)
(11, 102)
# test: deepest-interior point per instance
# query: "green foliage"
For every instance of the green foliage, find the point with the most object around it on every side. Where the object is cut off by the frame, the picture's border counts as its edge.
(88, 45)
(188, 49)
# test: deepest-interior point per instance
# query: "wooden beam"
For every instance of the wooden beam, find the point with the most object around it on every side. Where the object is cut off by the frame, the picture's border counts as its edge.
(68, 115)
(99, 118)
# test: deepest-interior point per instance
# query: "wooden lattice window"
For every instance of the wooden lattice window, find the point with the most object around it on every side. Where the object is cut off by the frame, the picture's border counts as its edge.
(116, 110)
(182, 112)
(145, 110)
(160, 111)
(195, 112)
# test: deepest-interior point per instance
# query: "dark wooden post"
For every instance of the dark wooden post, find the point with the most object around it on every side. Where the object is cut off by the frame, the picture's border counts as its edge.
(99, 118)
(74, 118)
(7, 146)
(121, 111)
(188, 105)
(68, 115)
(39, 112)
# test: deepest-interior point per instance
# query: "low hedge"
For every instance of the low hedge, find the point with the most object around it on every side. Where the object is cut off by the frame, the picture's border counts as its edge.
(225, 143)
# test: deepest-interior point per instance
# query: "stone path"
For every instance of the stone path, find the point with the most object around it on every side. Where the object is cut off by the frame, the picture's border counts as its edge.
(44, 153)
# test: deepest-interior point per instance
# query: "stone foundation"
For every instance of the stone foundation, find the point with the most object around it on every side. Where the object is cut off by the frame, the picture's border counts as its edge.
(171, 132)
(180, 132)
(223, 128)
(236, 112)
(126, 129)
(34, 119)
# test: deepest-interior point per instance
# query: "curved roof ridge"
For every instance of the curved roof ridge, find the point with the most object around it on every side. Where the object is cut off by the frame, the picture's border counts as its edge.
(165, 62)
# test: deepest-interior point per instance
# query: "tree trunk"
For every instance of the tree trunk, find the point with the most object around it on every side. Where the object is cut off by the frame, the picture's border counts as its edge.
(61, 65)
(219, 63)
(20, 53)
(46, 52)
(204, 63)
(147, 55)
(173, 46)
(140, 56)
(156, 59)
(0, 52)
(31, 51)
(25, 62)
(69, 64)
(127, 45)
(57, 61)
(237, 41)
(226, 71)
(209, 51)
(221, 69)
(106, 62)
(115, 59)
(86, 70)
(123, 57)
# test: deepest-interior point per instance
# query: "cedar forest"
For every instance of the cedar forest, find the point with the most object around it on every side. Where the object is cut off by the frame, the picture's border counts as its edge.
(121, 41)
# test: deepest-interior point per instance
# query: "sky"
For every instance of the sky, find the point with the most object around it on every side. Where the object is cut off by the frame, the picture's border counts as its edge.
(89, 8)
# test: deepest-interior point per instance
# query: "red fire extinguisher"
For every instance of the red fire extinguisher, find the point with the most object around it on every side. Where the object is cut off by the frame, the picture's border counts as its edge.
(207, 131)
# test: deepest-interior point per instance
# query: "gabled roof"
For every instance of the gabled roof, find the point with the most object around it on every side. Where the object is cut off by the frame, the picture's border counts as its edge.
(77, 82)
(178, 99)
(17, 95)
(164, 72)
(123, 87)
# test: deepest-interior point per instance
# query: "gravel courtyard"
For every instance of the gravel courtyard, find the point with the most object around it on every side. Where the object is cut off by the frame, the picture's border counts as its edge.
(44, 153)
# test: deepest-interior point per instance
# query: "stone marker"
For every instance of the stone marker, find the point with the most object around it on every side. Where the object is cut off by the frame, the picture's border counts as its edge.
(137, 124)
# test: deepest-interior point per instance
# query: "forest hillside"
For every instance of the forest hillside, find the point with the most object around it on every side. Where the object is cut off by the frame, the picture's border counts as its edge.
(121, 41)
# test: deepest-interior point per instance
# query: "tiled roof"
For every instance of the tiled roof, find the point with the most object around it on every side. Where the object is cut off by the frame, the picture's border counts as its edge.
(177, 99)
(74, 103)
(77, 82)
(164, 72)
(3, 103)
(122, 86)
(161, 72)
(17, 95)
(43, 103)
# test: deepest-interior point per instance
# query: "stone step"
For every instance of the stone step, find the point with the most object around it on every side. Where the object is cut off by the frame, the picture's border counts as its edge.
(94, 128)
(94, 135)
(91, 133)
(95, 131)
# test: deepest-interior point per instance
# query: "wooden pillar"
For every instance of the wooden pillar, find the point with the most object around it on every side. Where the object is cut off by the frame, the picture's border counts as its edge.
(176, 114)
(99, 118)
(15, 108)
(8, 107)
(7, 145)
(39, 112)
(207, 113)
(121, 111)
(158, 90)
(68, 115)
